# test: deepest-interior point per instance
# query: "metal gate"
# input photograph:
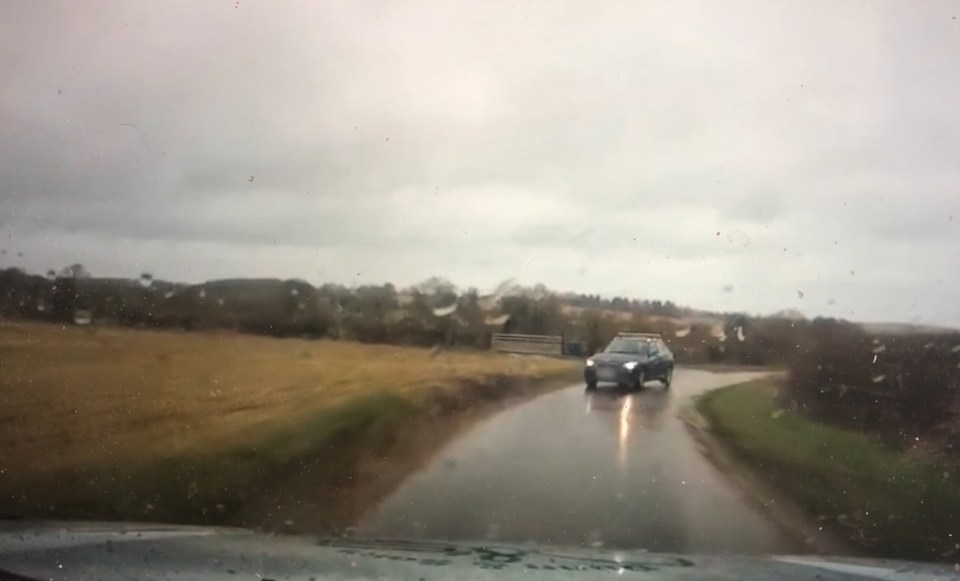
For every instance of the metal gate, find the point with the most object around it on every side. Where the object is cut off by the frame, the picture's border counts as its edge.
(534, 344)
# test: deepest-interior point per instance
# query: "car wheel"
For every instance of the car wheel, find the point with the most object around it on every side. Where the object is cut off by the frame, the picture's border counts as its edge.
(640, 380)
(591, 385)
(668, 378)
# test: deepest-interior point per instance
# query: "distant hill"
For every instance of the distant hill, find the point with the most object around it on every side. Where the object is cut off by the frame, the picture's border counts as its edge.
(905, 329)
(424, 310)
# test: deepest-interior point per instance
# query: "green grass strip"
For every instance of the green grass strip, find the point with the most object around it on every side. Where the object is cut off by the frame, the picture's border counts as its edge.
(888, 503)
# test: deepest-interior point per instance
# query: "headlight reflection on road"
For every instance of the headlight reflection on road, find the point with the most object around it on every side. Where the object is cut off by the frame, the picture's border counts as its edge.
(624, 429)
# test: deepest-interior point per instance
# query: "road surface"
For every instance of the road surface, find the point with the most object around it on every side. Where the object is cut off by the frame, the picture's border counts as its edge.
(608, 468)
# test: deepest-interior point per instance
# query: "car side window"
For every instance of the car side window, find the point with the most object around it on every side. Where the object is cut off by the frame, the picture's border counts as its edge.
(662, 348)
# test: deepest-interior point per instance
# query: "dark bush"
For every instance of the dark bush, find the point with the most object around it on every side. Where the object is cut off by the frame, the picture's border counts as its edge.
(898, 385)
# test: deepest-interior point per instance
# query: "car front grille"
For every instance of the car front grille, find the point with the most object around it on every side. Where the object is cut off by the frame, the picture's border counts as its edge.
(609, 371)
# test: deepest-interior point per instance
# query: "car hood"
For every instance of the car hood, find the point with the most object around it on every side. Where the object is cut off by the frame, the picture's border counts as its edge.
(618, 358)
(135, 551)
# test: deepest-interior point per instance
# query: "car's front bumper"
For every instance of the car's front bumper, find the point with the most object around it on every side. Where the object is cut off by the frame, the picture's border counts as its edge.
(608, 374)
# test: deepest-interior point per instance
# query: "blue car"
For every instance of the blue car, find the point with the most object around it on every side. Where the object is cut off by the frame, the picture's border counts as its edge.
(630, 360)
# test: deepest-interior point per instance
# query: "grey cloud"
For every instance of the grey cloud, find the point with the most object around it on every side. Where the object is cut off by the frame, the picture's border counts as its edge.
(566, 143)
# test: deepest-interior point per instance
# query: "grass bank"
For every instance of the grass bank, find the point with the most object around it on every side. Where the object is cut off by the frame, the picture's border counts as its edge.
(882, 499)
(184, 427)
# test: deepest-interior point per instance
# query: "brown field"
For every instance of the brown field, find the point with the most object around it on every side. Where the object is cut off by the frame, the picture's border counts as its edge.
(94, 421)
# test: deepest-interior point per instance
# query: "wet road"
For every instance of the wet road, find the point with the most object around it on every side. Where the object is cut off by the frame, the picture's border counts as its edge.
(609, 469)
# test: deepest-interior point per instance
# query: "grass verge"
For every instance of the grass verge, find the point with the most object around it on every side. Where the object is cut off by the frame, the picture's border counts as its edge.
(879, 498)
(192, 428)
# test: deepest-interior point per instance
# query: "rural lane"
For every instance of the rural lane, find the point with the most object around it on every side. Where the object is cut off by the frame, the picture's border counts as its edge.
(606, 468)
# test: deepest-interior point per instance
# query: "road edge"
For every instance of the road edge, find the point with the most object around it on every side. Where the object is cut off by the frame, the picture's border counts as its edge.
(434, 424)
(785, 513)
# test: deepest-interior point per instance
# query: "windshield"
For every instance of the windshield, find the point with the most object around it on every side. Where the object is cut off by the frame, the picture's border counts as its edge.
(615, 276)
(635, 346)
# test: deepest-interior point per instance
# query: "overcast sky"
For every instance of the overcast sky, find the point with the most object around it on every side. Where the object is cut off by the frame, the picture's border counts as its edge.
(725, 155)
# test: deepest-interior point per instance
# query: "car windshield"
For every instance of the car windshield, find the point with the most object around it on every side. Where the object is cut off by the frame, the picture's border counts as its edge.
(633, 346)
(669, 277)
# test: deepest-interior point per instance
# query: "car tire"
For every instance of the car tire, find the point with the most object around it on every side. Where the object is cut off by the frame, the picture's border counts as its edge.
(667, 379)
(640, 380)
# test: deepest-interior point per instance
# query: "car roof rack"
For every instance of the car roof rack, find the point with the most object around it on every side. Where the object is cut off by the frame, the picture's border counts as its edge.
(640, 335)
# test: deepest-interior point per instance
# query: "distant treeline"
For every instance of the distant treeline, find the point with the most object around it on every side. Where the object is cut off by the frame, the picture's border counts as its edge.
(432, 313)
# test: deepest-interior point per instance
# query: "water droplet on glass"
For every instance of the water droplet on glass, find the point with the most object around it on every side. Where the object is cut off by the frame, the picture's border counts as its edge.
(739, 238)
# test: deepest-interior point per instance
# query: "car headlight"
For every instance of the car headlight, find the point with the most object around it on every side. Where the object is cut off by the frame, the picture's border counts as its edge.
(630, 365)
(590, 363)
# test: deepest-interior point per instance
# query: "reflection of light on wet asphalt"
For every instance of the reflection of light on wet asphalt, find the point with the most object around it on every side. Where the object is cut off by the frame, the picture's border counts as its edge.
(624, 429)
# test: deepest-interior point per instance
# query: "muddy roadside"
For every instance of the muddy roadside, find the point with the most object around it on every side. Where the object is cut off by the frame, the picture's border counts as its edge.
(328, 493)
(783, 511)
